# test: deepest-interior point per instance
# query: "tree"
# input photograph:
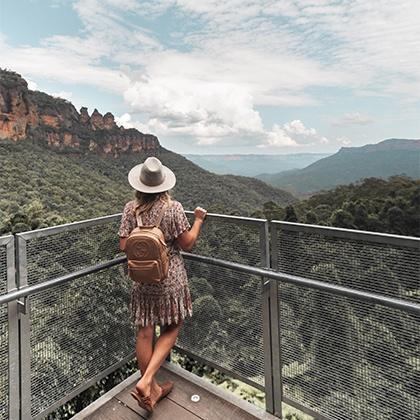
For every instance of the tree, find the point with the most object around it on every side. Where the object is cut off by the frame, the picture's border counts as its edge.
(290, 214)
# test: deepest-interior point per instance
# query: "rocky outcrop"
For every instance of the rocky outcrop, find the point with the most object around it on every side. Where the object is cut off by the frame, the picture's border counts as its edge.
(26, 114)
(109, 121)
(84, 116)
(96, 120)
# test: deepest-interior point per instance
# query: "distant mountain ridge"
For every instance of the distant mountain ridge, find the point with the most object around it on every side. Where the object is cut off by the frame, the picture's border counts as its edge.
(389, 144)
(253, 164)
(350, 164)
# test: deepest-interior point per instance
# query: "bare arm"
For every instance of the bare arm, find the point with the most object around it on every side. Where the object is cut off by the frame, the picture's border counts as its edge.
(188, 238)
(123, 241)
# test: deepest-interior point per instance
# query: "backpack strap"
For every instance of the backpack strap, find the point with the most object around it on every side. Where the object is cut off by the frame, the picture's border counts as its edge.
(159, 220)
(166, 206)
(139, 221)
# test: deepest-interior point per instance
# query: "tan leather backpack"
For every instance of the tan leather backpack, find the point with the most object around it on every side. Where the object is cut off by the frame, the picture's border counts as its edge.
(147, 252)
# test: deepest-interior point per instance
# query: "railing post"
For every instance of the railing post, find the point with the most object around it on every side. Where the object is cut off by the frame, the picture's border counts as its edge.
(275, 325)
(268, 368)
(24, 330)
(13, 333)
(271, 335)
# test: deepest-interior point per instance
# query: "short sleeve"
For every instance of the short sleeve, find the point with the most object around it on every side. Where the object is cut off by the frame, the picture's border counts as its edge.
(179, 222)
(128, 221)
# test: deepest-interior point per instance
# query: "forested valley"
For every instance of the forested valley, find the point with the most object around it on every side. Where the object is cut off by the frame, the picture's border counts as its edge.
(320, 332)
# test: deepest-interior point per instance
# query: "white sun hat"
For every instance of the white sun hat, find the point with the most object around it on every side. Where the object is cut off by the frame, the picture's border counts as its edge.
(151, 176)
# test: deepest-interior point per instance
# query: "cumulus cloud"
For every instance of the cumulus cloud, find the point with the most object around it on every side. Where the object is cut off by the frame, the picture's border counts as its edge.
(354, 118)
(292, 134)
(207, 110)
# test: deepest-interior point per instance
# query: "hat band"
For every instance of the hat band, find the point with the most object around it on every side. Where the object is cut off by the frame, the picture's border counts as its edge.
(152, 179)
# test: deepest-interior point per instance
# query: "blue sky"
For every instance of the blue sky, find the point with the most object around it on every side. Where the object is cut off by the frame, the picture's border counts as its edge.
(228, 76)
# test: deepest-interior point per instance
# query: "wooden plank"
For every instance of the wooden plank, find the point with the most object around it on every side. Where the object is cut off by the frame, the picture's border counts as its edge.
(166, 409)
(114, 409)
(194, 380)
(210, 406)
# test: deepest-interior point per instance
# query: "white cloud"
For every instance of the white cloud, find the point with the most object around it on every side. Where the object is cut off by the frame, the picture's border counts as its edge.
(278, 137)
(31, 84)
(63, 94)
(194, 107)
(344, 141)
(354, 118)
(61, 65)
(124, 120)
(292, 134)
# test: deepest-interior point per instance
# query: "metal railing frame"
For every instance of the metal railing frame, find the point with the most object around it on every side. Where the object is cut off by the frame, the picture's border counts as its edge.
(18, 295)
(13, 320)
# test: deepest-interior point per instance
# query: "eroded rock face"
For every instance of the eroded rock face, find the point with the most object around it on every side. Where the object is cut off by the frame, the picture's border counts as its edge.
(109, 122)
(16, 110)
(56, 122)
(97, 120)
(84, 116)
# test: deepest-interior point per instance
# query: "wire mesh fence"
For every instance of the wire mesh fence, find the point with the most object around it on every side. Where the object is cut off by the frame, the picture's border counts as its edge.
(4, 337)
(343, 358)
(230, 238)
(347, 359)
(388, 268)
(78, 330)
(4, 364)
(340, 357)
(67, 250)
(226, 326)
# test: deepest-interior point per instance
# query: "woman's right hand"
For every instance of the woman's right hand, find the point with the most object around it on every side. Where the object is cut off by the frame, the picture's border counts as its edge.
(200, 213)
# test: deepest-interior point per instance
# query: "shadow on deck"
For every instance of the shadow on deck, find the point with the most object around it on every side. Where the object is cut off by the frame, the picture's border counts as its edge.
(214, 403)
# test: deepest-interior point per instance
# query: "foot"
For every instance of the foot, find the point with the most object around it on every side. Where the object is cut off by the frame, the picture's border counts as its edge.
(156, 389)
(150, 389)
(144, 387)
(156, 394)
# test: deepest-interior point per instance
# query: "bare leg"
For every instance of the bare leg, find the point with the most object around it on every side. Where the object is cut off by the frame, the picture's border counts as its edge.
(144, 351)
(163, 346)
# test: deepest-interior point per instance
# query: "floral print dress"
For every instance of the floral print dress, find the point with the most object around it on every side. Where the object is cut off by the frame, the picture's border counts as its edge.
(169, 300)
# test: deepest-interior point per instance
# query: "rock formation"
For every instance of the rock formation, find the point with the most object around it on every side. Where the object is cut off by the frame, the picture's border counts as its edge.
(26, 114)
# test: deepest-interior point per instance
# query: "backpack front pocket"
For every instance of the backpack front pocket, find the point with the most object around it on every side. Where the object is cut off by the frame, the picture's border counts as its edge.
(144, 271)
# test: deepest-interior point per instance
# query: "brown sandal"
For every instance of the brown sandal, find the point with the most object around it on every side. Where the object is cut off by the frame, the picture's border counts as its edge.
(166, 389)
(144, 401)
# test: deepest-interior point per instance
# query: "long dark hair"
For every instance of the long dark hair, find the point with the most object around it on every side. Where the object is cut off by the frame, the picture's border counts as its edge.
(145, 201)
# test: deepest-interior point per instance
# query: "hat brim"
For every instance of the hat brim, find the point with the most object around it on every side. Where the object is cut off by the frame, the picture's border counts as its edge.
(134, 180)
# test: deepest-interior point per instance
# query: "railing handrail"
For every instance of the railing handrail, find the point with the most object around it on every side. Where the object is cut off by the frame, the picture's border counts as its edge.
(51, 230)
(370, 297)
(379, 237)
(366, 235)
(313, 284)
(30, 290)
(243, 219)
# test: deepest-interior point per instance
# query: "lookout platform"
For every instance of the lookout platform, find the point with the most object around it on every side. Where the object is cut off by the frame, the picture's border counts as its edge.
(214, 403)
(302, 313)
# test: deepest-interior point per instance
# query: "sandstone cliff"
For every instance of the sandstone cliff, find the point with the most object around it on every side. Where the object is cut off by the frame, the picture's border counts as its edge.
(26, 114)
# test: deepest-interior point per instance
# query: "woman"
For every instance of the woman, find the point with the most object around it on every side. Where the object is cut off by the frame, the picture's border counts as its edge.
(168, 302)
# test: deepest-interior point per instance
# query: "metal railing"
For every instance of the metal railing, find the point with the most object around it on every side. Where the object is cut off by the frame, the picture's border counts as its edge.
(324, 319)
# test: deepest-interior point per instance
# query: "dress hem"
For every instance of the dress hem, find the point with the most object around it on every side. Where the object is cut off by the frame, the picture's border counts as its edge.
(162, 310)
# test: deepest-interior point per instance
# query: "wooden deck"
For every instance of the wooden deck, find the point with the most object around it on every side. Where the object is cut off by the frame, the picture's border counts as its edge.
(214, 403)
